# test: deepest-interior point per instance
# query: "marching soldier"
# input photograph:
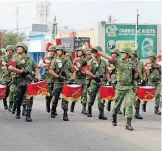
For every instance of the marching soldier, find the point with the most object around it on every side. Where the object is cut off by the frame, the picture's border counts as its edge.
(49, 79)
(79, 75)
(98, 71)
(23, 69)
(139, 65)
(112, 75)
(124, 86)
(61, 69)
(154, 77)
(5, 76)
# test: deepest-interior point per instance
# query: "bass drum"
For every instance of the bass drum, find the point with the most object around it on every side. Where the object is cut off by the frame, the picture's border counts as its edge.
(3, 90)
(72, 92)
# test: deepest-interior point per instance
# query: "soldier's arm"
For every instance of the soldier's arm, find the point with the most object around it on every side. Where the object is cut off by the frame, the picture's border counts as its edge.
(101, 54)
(36, 70)
(51, 71)
(89, 73)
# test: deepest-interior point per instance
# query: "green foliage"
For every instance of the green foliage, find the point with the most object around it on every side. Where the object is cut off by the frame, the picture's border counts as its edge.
(11, 38)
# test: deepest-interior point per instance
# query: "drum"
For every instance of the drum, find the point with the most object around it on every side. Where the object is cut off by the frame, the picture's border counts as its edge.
(107, 93)
(146, 93)
(39, 88)
(71, 92)
(3, 90)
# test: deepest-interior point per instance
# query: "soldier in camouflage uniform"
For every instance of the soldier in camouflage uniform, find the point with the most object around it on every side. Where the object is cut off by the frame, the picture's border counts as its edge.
(139, 65)
(23, 69)
(124, 86)
(49, 79)
(87, 84)
(61, 69)
(154, 77)
(99, 71)
(80, 76)
(5, 76)
(112, 72)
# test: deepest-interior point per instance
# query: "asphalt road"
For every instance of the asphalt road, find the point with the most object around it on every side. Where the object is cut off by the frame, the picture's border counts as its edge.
(80, 133)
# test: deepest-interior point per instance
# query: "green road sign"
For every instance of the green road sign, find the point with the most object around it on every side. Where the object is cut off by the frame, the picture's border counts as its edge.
(123, 35)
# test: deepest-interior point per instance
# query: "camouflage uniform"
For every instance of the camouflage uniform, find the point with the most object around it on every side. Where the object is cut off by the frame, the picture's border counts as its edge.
(154, 77)
(56, 66)
(5, 76)
(85, 90)
(50, 80)
(80, 78)
(28, 66)
(101, 66)
(140, 66)
(124, 88)
(112, 72)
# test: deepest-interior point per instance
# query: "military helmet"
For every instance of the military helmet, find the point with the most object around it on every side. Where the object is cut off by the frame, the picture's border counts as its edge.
(88, 52)
(126, 50)
(10, 47)
(115, 51)
(61, 47)
(23, 45)
(152, 54)
(52, 48)
(99, 48)
(82, 49)
(134, 52)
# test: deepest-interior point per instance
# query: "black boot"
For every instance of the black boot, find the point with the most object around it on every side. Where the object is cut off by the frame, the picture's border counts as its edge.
(28, 116)
(101, 115)
(128, 125)
(124, 111)
(13, 108)
(84, 110)
(5, 104)
(65, 116)
(137, 115)
(17, 115)
(53, 110)
(10, 106)
(156, 111)
(72, 106)
(24, 112)
(109, 105)
(56, 113)
(144, 107)
(114, 119)
(48, 101)
(89, 114)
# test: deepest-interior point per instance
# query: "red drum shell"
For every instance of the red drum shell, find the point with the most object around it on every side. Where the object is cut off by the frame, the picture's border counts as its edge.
(39, 88)
(107, 93)
(3, 90)
(146, 93)
(72, 92)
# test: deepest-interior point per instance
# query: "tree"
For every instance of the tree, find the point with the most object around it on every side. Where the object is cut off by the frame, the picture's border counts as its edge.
(11, 38)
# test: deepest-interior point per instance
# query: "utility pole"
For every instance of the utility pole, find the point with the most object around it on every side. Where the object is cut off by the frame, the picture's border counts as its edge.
(136, 34)
(17, 18)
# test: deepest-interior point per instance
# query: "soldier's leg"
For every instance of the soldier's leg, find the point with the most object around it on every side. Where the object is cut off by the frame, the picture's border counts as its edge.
(118, 101)
(157, 99)
(49, 98)
(129, 101)
(56, 94)
(101, 105)
(64, 106)
(92, 92)
(84, 99)
(11, 98)
(5, 99)
(20, 91)
(29, 104)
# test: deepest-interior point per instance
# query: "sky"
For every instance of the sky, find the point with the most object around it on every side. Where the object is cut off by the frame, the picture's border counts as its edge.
(79, 14)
